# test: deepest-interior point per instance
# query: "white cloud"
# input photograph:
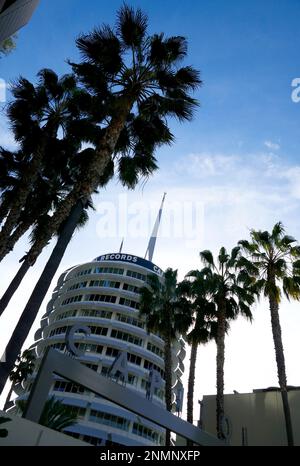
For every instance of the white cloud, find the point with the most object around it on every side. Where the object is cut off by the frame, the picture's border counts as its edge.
(272, 145)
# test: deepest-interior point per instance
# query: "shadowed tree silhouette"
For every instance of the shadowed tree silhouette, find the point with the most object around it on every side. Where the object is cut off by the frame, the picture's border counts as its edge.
(273, 260)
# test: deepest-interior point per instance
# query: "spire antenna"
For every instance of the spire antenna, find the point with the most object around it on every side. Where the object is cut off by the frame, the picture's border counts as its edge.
(121, 245)
(153, 237)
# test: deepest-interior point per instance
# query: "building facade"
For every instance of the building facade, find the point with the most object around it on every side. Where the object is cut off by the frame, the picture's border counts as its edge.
(104, 296)
(254, 419)
(14, 14)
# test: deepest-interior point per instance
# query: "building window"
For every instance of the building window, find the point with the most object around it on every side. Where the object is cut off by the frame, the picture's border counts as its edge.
(155, 349)
(133, 358)
(105, 283)
(113, 270)
(93, 440)
(99, 330)
(137, 275)
(77, 285)
(89, 348)
(95, 313)
(69, 387)
(113, 352)
(149, 365)
(109, 419)
(143, 431)
(126, 337)
(100, 297)
(130, 320)
(129, 303)
(65, 315)
(83, 272)
(159, 392)
(72, 299)
(58, 331)
(59, 346)
(131, 288)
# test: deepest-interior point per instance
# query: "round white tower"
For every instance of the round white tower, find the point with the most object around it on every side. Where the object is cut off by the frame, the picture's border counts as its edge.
(104, 295)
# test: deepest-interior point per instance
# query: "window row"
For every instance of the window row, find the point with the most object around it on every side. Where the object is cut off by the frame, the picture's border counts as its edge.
(114, 270)
(113, 352)
(126, 337)
(69, 387)
(139, 276)
(155, 349)
(92, 283)
(132, 288)
(143, 431)
(66, 314)
(129, 303)
(130, 320)
(109, 419)
(98, 330)
(95, 313)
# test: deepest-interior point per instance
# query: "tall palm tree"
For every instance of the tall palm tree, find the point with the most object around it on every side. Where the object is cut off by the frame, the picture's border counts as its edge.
(36, 114)
(132, 95)
(20, 333)
(167, 311)
(131, 98)
(274, 260)
(233, 295)
(23, 367)
(203, 327)
(136, 77)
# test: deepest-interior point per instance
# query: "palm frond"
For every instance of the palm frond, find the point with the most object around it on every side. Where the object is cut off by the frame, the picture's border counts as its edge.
(131, 26)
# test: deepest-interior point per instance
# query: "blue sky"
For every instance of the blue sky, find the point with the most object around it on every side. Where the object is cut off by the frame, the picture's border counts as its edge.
(237, 162)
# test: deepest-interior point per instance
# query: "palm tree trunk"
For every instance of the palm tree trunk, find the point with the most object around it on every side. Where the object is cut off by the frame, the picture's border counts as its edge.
(13, 286)
(220, 369)
(82, 190)
(20, 196)
(276, 330)
(4, 206)
(31, 309)
(7, 400)
(191, 383)
(90, 179)
(15, 236)
(168, 385)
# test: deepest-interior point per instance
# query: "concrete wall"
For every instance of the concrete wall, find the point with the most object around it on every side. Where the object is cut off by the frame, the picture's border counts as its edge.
(22, 432)
(260, 413)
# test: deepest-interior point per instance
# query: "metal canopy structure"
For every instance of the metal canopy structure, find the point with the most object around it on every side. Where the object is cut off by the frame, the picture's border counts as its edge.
(69, 368)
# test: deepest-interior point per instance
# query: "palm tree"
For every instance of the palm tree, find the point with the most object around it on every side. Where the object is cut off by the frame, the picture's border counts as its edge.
(36, 114)
(20, 333)
(134, 77)
(7, 46)
(139, 90)
(23, 367)
(232, 294)
(153, 84)
(203, 328)
(167, 311)
(274, 260)
(56, 415)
